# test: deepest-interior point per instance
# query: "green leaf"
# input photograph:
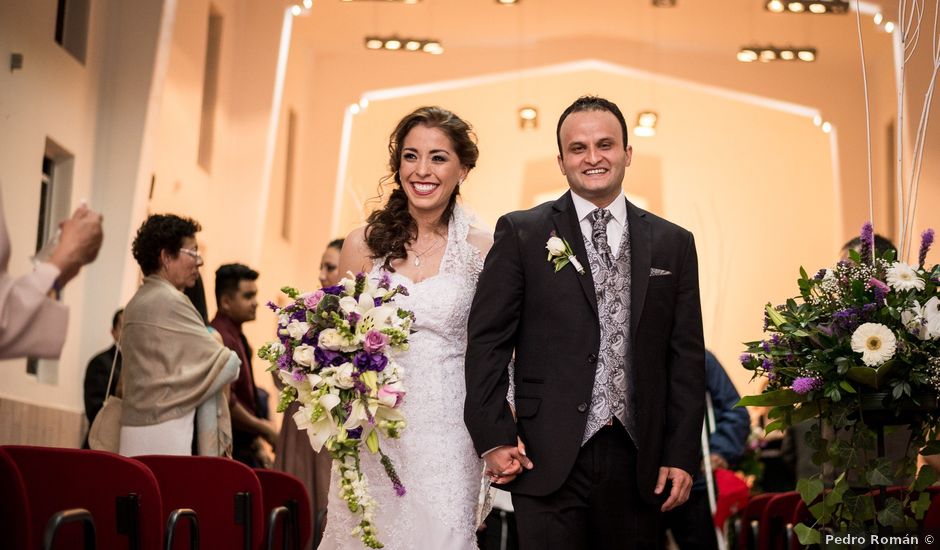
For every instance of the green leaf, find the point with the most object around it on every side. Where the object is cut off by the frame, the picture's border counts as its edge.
(892, 515)
(822, 512)
(775, 398)
(774, 316)
(873, 378)
(809, 489)
(846, 386)
(775, 425)
(803, 274)
(921, 505)
(804, 412)
(858, 507)
(559, 264)
(807, 535)
(880, 473)
(926, 477)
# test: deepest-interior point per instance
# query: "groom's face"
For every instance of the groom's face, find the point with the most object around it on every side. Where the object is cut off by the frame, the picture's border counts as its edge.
(593, 156)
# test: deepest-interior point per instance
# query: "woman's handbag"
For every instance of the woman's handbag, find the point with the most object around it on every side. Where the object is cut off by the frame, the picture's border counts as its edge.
(105, 431)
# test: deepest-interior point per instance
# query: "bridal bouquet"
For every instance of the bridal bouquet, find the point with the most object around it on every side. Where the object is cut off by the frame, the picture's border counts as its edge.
(334, 353)
(866, 330)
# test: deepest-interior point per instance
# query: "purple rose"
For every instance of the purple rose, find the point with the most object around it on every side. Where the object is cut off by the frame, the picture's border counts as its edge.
(326, 357)
(375, 341)
(335, 290)
(312, 299)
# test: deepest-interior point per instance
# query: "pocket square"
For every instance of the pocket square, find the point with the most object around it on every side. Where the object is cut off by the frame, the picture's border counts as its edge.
(656, 272)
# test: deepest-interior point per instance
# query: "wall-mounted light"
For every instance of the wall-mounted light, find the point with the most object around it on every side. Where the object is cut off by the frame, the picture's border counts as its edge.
(528, 117)
(766, 54)
(817, 7)
(393, 43)
(646, 124)
(664, 3)
(507, 2)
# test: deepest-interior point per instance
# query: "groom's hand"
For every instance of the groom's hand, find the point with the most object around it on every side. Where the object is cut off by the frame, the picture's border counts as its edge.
(681, 486)
(504, 463)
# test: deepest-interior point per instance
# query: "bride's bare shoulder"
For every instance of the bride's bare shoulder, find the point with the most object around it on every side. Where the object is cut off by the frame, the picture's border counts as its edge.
(481, 239)
(355, 255)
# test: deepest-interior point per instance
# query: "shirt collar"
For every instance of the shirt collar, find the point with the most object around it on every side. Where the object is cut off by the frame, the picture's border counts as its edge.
(617, 208)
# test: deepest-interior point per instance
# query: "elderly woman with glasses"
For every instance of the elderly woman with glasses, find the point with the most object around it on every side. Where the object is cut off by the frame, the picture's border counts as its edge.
(174, 372)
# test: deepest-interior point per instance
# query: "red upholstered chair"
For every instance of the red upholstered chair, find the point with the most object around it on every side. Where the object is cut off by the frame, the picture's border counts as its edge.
(776, 529)
(225, 495)
(120, 493)
(750, 520)
(14, 508)
(930, 525)
(285, 505)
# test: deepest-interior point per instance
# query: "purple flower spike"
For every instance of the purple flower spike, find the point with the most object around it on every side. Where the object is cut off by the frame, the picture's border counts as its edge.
(880, 289)
(804, 385)
(272, 306)
(745, 358)
(765, 346)
(820, 274)
(767, 364)
(867, 239)
(926, 240)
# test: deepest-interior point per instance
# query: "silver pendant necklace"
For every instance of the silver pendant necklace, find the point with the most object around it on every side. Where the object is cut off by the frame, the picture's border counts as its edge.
(419, 255)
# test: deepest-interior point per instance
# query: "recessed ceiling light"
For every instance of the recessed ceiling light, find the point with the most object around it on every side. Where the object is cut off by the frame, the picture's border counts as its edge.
(747, 55)
(878, 18)
(889, 26)
(807, 55)
(775, 6)
(412, 45)
(296, 10)
(374, 43)
(796, 7)
(827, 127)
(393, 44)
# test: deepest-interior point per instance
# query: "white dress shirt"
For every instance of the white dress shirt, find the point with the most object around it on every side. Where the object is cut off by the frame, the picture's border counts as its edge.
(618, 211)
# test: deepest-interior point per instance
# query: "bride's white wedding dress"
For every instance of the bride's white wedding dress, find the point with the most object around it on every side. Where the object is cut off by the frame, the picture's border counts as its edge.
(435, 458)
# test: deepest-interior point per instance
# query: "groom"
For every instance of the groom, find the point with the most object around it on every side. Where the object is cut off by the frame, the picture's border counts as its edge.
(609, 356)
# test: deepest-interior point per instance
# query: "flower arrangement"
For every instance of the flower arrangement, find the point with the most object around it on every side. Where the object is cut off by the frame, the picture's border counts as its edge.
(335, 355)
(870, 324)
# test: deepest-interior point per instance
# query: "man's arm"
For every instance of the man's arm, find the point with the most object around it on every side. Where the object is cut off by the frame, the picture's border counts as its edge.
(494, 318)
(247, 422)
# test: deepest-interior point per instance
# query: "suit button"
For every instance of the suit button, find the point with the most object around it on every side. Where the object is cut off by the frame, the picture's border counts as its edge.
(592, 358)
(582, 407)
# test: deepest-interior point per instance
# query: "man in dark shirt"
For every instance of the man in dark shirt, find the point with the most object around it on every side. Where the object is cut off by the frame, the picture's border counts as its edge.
(99, 370)
(236, 295)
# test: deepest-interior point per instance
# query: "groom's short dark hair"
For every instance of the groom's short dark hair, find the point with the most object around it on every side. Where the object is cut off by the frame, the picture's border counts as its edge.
(592, 103)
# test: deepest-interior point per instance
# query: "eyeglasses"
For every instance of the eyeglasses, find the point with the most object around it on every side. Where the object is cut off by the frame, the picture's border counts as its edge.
(193, 253)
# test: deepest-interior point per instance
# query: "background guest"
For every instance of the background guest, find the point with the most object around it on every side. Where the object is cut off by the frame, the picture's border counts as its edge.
(174, 371)
(294, 454)
(236, 295)
(98, 373)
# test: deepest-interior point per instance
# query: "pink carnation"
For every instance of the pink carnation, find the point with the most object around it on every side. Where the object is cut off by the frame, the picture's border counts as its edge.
(311, 300)
(384, 392)
(375, 341)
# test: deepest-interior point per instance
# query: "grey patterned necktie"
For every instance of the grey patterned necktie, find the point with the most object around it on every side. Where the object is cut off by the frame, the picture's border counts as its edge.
(599, 219)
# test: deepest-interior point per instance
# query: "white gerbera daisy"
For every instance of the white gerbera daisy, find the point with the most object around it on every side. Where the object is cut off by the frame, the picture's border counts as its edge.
(903, 277)
(875, 342)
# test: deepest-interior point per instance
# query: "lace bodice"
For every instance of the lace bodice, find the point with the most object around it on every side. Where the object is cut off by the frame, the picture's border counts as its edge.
(435, 457)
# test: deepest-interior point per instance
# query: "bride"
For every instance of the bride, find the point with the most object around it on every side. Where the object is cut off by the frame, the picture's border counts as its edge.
(424, 239)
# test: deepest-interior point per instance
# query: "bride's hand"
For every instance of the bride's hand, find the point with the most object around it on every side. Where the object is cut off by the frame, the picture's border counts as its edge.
(505, 463)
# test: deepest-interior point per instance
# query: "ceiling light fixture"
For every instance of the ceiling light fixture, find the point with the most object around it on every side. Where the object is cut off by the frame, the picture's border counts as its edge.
(878, 18)
(816, 7)
(528, 117)
(507, 2)
(646, 124)
(394, 43)
(766, 54)
(664, 3)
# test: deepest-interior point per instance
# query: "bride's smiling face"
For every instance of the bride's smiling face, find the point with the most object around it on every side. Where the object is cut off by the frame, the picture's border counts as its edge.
(430, 169)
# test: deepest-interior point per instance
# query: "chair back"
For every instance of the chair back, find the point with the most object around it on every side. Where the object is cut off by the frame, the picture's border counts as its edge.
(281, 489)
(120, 493)
(750, 520)
(14, 508)
(776, 529)
(225, 494)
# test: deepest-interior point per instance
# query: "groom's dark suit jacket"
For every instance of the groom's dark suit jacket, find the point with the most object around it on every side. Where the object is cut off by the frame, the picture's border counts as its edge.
(550, 321)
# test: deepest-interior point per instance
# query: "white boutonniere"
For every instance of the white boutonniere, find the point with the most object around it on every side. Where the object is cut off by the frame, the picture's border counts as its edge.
(560, 253)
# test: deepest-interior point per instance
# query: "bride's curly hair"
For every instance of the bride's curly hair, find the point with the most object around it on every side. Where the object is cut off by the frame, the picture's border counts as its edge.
(390, 228)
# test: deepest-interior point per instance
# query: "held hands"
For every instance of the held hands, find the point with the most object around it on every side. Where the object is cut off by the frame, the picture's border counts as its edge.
(79, 243)
(504, 464)
(681, 486)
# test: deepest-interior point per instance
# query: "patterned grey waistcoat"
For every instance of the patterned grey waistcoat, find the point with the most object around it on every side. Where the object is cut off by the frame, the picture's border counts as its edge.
(613, 393)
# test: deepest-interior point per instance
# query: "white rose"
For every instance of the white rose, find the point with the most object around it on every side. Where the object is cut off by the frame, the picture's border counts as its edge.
(331, 339)
(343, 377)
(303, 355)
(555, 246)
(297, 329)
(276, 348)
(283, 319)
(348, 304)
(349, 283)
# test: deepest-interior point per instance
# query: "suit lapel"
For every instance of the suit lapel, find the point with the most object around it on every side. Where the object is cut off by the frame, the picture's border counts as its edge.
(641, 252)
(568, 227)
